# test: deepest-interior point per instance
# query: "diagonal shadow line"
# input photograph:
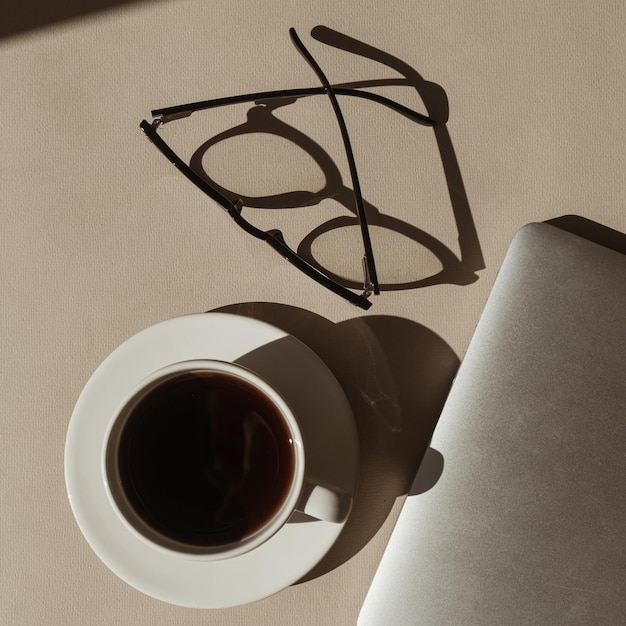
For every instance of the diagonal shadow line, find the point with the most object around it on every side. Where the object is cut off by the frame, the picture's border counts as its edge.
(21, 17)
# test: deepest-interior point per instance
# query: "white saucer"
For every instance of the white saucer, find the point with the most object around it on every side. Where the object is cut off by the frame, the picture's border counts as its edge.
(330, 441)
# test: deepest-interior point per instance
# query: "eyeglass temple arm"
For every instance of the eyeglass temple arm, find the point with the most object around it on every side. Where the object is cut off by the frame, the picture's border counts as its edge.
(370, 273)
(168, 114)
(468, 236)
(412, 78)
(273, 237)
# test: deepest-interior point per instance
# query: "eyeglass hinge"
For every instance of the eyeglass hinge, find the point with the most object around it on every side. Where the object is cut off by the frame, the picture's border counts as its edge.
(164, 119)
(368, 285)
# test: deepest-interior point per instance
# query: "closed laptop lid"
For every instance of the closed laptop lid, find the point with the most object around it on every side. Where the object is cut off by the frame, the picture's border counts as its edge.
(527, 523)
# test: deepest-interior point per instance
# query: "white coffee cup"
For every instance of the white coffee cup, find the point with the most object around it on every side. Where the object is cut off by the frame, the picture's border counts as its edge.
(205, 458)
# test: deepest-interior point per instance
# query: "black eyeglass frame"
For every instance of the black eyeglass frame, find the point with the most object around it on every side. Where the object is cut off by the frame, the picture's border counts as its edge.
(274, 237)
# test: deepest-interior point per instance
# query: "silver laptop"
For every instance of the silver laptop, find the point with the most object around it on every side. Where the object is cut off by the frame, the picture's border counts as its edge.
(527, 522)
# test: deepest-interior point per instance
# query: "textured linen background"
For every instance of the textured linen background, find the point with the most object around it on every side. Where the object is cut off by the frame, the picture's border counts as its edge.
(101, 237)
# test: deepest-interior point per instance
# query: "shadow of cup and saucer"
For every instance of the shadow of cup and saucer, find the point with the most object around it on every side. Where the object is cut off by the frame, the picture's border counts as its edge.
(396, 375)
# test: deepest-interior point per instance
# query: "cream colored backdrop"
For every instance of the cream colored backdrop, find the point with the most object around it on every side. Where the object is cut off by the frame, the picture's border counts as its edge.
(101, 237)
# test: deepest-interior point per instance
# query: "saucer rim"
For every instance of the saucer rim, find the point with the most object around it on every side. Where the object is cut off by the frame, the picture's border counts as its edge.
(114, 544)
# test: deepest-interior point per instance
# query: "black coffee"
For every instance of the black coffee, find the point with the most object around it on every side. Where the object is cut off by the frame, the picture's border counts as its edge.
(205, 459)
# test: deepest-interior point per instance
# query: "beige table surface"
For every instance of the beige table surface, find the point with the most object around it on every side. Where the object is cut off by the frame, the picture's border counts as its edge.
(101, 237)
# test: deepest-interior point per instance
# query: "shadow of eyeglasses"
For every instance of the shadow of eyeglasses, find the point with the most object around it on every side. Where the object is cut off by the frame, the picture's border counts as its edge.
(262, 120)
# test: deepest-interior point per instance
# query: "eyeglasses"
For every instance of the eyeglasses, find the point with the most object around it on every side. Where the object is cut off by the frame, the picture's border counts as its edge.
(274, 237)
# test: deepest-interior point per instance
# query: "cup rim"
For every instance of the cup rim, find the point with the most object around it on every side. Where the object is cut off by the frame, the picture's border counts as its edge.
(142, 529)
